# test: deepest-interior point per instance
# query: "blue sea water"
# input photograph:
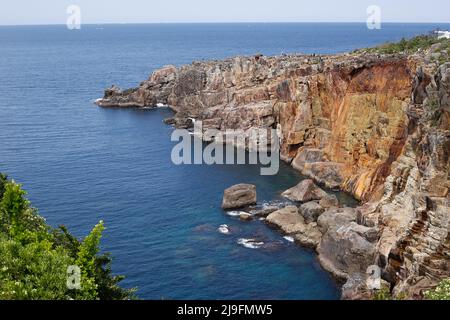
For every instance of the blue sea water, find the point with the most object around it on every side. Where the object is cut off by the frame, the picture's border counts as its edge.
(81, 164)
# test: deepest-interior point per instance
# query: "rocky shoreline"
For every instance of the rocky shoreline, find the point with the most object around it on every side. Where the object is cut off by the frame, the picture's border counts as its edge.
(373, 125)
(314, 219)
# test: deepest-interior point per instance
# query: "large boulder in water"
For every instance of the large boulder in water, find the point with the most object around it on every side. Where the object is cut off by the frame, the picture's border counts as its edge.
(305, 191)
(239, 196)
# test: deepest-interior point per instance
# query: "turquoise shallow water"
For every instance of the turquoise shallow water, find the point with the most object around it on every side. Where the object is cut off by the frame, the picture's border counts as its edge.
(81, 164)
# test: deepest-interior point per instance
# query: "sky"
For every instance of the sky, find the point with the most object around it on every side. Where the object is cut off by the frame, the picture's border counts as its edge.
(30, 12)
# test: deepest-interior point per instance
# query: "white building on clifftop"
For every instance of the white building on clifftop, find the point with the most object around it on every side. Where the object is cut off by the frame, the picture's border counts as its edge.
(443, 34)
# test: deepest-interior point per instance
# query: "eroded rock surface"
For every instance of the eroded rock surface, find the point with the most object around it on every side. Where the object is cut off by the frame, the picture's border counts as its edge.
(341, 119)
(239, 196)
(311, 211)
(305, 191)
(329, 201)
(413, 214)
(376, 126)
(291, 222)
(343, 251)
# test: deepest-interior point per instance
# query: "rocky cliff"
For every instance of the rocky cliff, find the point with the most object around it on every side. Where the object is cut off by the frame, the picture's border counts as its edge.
(374, 125)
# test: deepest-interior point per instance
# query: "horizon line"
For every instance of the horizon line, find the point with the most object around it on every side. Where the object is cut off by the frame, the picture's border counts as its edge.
(220, 22)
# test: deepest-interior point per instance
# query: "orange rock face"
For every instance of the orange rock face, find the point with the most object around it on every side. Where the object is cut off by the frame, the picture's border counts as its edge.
(349, 109)
(374, 126)
(354, 114)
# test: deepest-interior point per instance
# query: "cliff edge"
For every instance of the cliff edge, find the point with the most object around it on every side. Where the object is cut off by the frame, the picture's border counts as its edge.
(373, 124)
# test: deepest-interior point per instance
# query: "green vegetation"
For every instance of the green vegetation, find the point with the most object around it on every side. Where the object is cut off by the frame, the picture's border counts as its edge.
(413, 45)
(3, 180)
(385, 294)
(36, 260)
(441, 292)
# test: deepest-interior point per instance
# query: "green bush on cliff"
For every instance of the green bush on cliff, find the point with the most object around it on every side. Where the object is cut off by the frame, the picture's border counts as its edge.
(412, 45)
(34, 258)
(441, 292)
(385, 294)
(3, 181)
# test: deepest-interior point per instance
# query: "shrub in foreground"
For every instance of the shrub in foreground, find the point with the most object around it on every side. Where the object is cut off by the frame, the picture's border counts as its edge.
(35, 258)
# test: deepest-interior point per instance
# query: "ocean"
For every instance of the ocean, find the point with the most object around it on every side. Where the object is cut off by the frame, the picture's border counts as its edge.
(81, 164)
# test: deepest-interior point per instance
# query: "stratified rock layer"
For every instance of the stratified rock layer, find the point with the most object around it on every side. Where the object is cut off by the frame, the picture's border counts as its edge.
(376, 126)
(341, 119)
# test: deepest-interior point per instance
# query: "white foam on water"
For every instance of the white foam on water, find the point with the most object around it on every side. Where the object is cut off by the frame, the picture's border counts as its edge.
(224, 229)
(250, 243)
(235, 213)
(289, 239)
(161, 105)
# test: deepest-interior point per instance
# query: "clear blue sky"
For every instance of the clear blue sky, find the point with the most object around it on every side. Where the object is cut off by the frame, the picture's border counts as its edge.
(148, 11)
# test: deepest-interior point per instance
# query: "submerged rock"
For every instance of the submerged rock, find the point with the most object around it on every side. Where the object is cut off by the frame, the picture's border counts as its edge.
(239, 196)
